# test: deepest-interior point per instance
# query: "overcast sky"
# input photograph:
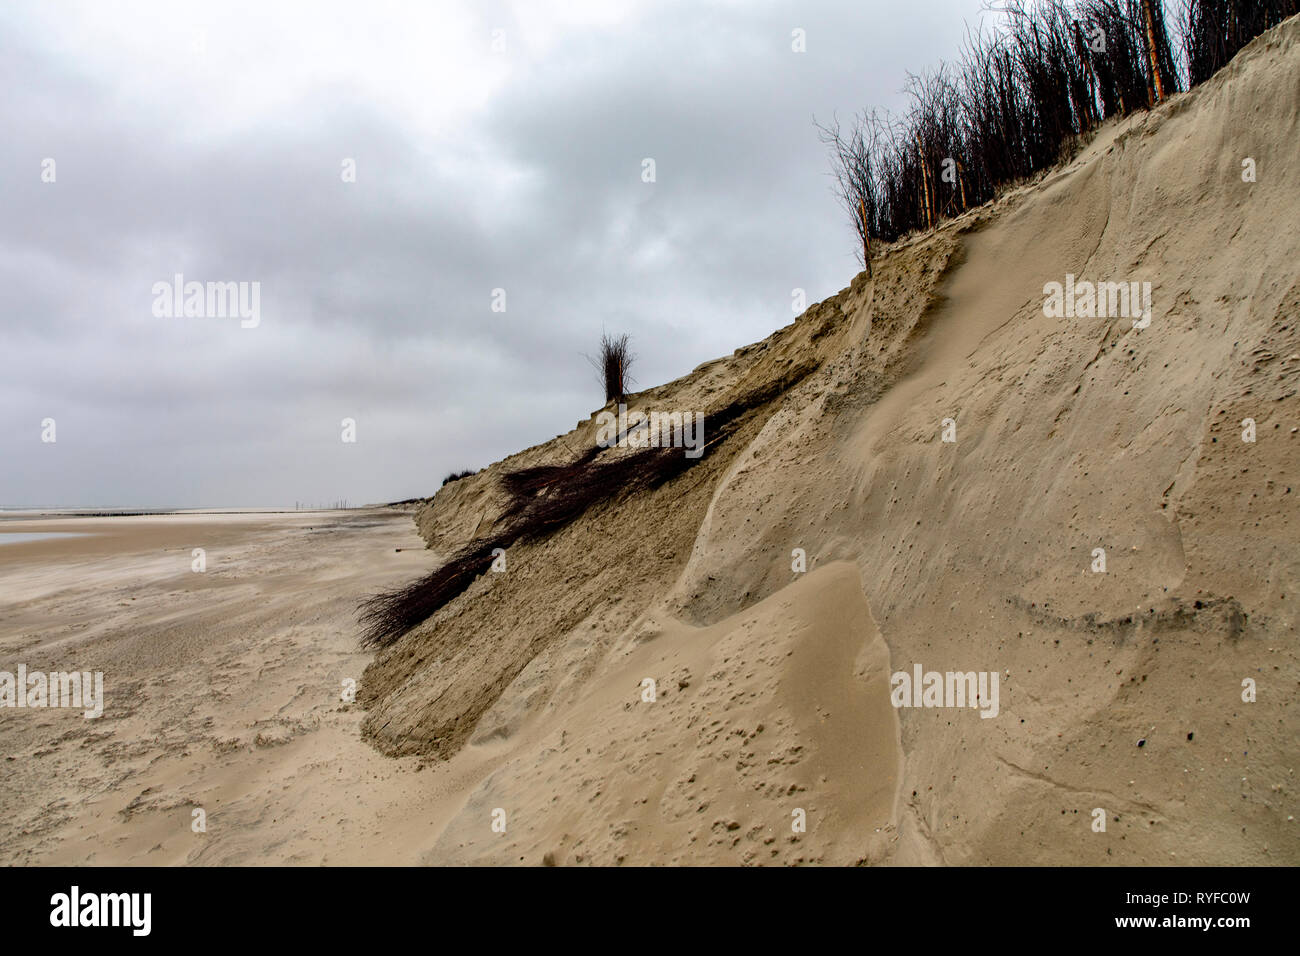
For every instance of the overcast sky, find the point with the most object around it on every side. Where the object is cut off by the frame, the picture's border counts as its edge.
(496, 146)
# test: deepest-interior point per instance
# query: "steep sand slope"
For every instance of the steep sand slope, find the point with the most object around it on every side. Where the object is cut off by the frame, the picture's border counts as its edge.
(1071, 434)
(780, 709)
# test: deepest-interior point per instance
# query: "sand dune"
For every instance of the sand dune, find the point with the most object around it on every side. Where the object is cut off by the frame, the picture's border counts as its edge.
(975, 555)
(780, 710)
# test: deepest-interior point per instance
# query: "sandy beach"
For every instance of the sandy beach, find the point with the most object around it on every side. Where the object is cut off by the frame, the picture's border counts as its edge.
(222, 691)
(967, 568)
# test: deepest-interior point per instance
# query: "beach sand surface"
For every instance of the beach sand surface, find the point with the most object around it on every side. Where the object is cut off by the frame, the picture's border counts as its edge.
(223, 692)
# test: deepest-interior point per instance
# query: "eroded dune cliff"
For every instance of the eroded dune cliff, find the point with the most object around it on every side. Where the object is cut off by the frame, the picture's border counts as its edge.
(1120, 690)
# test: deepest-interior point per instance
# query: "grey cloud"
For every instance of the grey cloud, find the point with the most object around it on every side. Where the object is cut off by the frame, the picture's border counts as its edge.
(376, 294)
